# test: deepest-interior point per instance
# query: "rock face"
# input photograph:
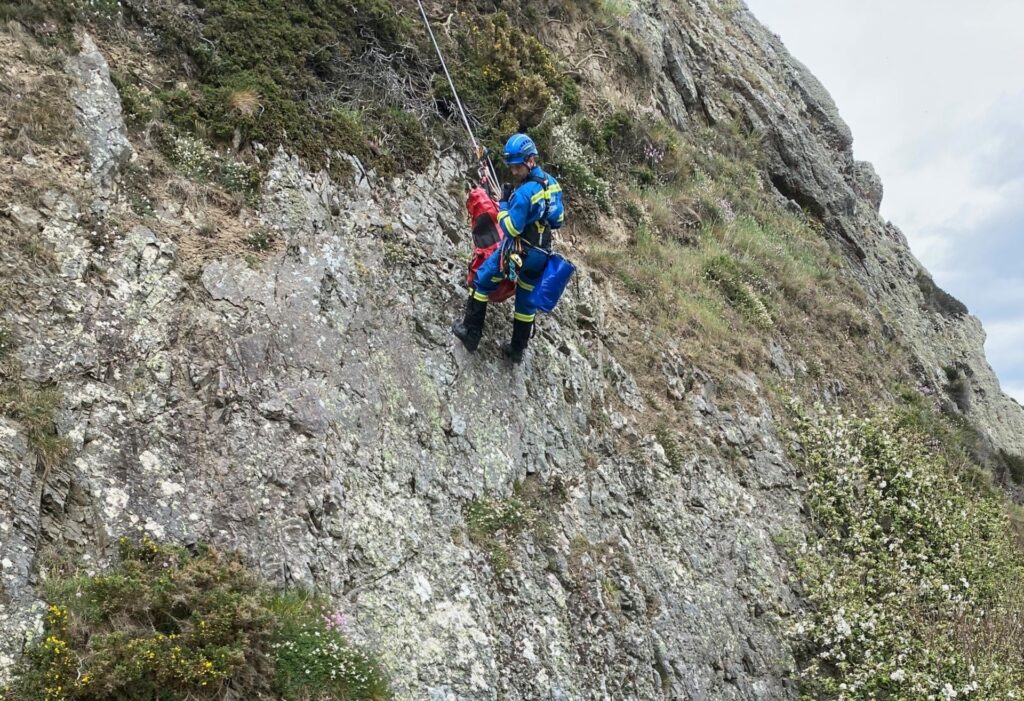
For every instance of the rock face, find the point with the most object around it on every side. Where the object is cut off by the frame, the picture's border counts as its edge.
(312, 410)
(314, 413)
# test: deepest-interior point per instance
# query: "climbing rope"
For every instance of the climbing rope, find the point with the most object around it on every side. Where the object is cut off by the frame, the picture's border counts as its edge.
(481, 154)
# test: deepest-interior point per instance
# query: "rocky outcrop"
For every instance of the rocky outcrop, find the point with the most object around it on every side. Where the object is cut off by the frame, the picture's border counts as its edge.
(19, 534)
(314, 413)
(98, 113)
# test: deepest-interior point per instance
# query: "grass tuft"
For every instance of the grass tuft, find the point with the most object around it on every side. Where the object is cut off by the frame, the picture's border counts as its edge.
(35, 408)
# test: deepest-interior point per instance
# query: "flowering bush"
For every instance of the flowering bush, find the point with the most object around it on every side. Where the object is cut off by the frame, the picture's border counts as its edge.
(197, 161)
(169, 624)
(315, 660)
(915, 582)
(577, 166)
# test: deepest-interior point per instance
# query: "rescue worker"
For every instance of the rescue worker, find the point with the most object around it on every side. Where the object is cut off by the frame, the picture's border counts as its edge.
(527, 215)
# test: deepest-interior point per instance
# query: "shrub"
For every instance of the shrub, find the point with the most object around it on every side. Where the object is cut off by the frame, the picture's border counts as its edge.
(913, 577)
(739, 290)
(168, 623)
(505, 76)
(575, 168)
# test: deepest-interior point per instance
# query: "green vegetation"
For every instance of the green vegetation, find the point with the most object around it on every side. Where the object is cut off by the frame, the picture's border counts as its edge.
(913, 574)
(260, 239)
(57, 16)
(313, 658)
(166, 623)
(35, 408)
(674, 452)
(937, 299)
(506, 75)
(267, 72)
(492, 524)
(6, 342)
(954, 435)
(718, 265)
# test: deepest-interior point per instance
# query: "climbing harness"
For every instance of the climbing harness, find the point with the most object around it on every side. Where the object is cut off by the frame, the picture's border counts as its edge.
(484, 166)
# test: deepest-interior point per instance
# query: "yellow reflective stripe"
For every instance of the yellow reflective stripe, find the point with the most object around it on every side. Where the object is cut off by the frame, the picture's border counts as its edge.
(503, 217)
(554, 188)
(542, 195)
(524, 317)
(498, 278)
(479, 296)
(561, 217)
(526, 286)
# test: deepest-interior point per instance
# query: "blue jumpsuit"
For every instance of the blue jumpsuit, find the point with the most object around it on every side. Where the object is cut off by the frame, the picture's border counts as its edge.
(531, 209)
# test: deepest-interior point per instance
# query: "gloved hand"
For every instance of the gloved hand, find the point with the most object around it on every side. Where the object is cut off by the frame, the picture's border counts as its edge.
(506, 192)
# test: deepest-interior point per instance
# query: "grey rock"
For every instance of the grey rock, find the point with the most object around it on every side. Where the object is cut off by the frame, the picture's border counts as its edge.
(867, 183)
(98, 113)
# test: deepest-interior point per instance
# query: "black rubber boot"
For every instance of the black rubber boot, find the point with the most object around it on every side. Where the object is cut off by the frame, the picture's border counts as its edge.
(521, 332)
(471, 328)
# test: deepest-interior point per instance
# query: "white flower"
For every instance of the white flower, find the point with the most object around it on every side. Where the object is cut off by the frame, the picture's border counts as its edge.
(898, 676)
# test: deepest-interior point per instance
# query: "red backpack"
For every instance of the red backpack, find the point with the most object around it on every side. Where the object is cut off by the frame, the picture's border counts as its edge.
(483, 217)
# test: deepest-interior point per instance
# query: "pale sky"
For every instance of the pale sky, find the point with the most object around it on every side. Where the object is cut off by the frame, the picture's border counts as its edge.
(934, 93)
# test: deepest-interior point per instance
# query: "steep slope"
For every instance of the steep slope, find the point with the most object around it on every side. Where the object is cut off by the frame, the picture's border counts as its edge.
(737, 66)
(280, 379)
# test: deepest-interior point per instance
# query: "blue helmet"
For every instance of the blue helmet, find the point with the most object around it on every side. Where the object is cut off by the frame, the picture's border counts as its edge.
(518, 148)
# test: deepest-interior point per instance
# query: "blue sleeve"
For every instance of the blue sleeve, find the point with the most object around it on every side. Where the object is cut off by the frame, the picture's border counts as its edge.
(513, 218)
(556, 211)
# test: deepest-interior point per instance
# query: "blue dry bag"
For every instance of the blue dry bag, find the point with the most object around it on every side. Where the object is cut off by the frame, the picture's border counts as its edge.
(552, 283)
